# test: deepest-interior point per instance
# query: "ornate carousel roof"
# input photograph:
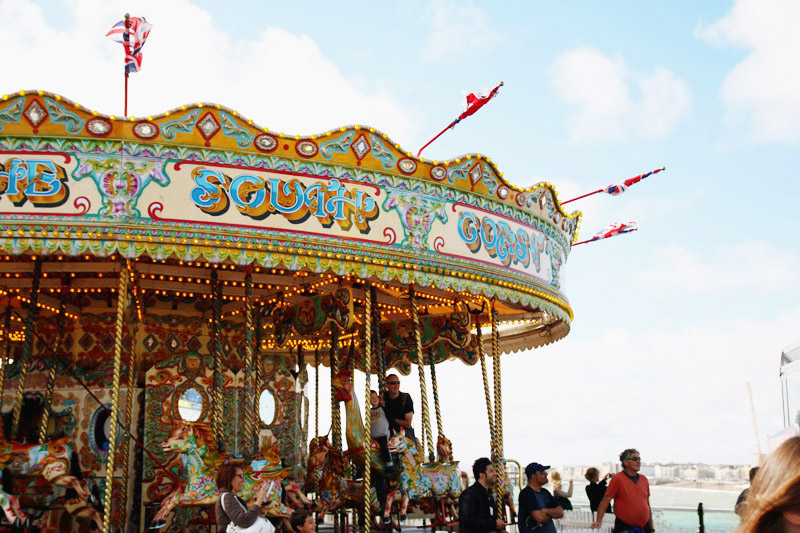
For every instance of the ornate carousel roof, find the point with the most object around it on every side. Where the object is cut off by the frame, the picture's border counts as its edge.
(200, 193)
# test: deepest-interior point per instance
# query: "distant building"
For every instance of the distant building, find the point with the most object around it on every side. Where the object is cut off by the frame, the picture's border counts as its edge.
(790, 385)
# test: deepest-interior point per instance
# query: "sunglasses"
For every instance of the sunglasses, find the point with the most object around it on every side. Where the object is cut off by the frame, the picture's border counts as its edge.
(633, 459)
(393, 383)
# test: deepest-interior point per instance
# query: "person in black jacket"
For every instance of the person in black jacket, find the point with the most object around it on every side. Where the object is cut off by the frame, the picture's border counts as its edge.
(477, 509)
(596, 489)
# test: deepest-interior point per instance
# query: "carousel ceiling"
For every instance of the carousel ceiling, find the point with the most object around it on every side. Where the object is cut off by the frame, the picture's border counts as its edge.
(201, 201)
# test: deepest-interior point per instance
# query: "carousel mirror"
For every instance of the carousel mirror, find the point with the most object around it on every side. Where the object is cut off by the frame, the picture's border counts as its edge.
(191, 402)
(266, 407)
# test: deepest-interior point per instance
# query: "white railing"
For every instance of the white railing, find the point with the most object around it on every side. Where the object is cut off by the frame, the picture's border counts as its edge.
(580, 520)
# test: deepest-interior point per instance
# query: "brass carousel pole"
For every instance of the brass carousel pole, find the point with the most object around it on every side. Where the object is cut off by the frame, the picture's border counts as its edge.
(432, 363)
(486, 389)
(426, 422)
(316, 392)
(27, 346)
(51, 372)
(217, 396)
(336, 418)
(258, 381)
(367, 410)
(376, 333)
(132, 367)
(4, 359)
(498, 397)
(250, 447)
(112, 431)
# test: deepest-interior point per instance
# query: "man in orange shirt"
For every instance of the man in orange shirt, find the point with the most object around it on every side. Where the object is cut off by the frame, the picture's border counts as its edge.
(631, 494)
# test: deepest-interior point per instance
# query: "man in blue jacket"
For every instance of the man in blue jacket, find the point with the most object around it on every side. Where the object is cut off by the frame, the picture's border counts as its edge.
(477, 509)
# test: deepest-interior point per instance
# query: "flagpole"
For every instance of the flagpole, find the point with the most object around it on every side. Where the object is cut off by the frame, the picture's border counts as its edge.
(439, 135)
(126, 38)
(633, 180)
(579, 197)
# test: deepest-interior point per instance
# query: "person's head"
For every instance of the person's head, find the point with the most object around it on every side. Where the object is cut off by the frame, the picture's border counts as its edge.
(230, 478)
(302, 521)
(374, 399)
(393, 385)
(774, 500)
(753, 472)
(536, 474)
(631, 459)
(592, 475)
(555, 479)
(483, 470)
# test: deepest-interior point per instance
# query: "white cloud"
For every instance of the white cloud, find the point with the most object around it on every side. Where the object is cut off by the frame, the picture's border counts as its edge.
(763, 90)
(279, 79)
(456, 27)
(751, 266)
(598, 87)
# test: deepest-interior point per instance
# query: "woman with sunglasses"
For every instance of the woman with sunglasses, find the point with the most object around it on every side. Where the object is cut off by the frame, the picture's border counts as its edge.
(233, 514)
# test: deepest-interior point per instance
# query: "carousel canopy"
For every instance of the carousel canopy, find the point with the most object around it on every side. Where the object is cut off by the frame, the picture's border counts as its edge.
(201, 193)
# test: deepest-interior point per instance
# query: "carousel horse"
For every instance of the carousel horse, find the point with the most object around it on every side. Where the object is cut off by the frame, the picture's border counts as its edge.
(355, 431)
(200, 459)
(54, 462)
(438, 480)
(325, 477)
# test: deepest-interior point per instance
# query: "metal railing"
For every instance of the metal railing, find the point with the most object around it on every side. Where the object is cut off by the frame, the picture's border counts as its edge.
(581, 518)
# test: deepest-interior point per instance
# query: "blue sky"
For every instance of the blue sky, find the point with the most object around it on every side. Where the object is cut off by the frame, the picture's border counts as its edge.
(672, 321)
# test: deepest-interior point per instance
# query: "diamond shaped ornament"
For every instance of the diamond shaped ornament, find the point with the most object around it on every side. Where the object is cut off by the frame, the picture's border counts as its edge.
(360, 147)
(35, 113)
(150, 342)
(208, 126)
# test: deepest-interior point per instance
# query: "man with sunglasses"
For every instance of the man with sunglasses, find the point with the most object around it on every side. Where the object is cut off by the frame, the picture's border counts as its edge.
(631, 494)
(398, 406)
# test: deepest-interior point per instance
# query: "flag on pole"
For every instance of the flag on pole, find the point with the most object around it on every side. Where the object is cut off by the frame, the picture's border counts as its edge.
(132, 36)
(475, 101)
(611, 231)
(618, 188)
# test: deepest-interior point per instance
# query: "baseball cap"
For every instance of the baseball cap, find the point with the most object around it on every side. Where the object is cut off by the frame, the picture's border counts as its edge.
(535, 467)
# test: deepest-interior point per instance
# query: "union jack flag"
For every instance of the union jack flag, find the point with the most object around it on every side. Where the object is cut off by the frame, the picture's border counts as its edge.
(613, 230)
(619, 188)
(132, 36)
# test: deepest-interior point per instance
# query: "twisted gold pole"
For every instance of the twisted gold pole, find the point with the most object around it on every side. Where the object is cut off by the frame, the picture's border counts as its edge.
(132, 367)
(249, 388)
(367, 410)
(432, 363)
(4, 359)
(114, 415)
(486, 390)
(316, 392)
(258, 378)
(51, 373)
(336, 418)
(217, 396)
(27, 346)
(426, 422)
(376, 333)
(498, 396)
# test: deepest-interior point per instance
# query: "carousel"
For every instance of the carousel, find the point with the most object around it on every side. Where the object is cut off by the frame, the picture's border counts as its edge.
(172, 287)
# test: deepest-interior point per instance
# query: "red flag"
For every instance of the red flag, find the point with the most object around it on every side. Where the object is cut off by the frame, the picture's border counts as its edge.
(474, 102)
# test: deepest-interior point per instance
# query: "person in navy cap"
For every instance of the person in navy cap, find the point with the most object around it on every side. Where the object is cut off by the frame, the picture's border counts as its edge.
(537, 507)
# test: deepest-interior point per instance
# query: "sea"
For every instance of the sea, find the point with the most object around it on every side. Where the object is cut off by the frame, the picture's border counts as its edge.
(689, 497)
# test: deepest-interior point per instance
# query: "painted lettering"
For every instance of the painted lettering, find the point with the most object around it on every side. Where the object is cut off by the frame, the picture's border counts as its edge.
(500, 241)
(41, 181)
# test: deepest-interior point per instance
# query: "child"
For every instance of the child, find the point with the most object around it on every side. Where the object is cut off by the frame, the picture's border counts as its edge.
(379, 430)
(302, 521)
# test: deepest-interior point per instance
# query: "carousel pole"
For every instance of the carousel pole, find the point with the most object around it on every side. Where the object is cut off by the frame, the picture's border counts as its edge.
(132, 366)
(432, 363)
(486, 390)
(249, 388)
(112, 431)
(367, 410)
(426, 422)
(376, 333)
(498, 397)
(257, 376)
(316, 392)
(216, 397)
(4, 357)
(51, 372)
(336, 419)
(27, 346)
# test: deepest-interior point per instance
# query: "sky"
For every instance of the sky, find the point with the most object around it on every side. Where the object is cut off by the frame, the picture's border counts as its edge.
(672, 321)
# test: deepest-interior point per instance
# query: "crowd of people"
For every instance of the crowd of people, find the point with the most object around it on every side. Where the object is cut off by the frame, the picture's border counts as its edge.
(771, 505)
